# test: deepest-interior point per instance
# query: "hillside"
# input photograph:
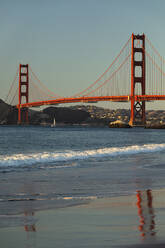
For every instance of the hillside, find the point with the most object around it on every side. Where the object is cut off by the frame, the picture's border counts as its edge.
(7, 115)
(67, 115)
(79, 114)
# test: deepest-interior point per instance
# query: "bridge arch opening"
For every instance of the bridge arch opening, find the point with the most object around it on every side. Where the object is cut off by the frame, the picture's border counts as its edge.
(138, 89)
(138, 71)
(138, 56)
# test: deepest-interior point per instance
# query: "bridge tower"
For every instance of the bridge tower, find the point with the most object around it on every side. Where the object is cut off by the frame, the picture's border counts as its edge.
(137, 67)
(23, 93)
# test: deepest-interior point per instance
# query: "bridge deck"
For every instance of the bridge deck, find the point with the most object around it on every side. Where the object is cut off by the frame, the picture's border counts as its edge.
(93, 100)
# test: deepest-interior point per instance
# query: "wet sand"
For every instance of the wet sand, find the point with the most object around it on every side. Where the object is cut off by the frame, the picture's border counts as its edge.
(126, 221)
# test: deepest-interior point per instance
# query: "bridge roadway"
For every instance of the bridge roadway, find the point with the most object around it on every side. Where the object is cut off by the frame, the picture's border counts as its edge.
(94, 99)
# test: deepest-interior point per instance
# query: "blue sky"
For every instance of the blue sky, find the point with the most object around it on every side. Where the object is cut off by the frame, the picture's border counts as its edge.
(68, 43)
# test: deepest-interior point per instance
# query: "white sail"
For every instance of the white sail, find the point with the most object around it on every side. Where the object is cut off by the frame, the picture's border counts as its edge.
(54, 123)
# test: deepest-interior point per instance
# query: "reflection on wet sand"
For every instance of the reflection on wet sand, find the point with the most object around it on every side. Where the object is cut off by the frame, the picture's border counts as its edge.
(146, 213)
(30, 228)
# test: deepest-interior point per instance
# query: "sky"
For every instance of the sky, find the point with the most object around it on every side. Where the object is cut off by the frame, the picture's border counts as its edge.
(69, 43)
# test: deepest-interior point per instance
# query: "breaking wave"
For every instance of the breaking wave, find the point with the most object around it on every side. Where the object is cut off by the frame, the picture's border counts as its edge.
(49, 157)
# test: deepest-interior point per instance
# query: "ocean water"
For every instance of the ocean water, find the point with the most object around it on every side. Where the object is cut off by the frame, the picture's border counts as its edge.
(119, 172)
(44, 167)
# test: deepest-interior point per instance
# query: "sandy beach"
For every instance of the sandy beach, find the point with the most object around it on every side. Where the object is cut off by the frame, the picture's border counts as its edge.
(84, 192)
(126, 221)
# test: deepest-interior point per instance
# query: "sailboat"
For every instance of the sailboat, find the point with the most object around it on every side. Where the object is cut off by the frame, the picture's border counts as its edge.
(54, 123)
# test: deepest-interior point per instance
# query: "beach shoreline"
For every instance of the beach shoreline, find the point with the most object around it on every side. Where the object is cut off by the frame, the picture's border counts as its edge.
(103, 222)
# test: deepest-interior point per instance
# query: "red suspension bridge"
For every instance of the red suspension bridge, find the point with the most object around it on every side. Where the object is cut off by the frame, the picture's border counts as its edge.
(136, 75)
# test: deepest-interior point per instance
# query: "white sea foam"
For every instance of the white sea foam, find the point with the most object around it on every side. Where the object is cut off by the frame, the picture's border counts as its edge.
(66, 198)
(47, 157)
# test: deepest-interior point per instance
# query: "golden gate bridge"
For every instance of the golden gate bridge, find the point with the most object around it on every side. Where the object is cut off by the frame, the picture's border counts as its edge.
(136, 75)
